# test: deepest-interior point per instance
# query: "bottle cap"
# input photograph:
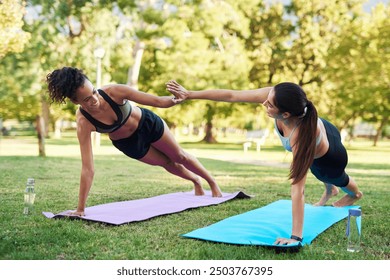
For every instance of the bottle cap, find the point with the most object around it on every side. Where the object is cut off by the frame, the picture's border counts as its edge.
(355, 212)
(30, 181)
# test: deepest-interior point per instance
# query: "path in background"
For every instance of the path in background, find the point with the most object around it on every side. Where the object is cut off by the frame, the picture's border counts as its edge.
(29, 147)
(242, 157)
(22, 147)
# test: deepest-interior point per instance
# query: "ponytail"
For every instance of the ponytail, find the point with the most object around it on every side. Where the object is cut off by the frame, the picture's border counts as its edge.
(290, 97)
(306, 144)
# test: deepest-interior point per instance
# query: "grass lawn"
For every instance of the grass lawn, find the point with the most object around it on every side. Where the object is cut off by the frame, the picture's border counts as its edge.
(118, 178)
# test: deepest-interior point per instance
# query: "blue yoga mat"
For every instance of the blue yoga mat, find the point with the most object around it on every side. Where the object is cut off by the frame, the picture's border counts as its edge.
(263, 225)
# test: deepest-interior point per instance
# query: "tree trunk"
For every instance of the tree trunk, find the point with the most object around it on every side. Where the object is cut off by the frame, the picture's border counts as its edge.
(40, 127)
(133, 74)
(380, 129)
(209, 137)
(46, 116)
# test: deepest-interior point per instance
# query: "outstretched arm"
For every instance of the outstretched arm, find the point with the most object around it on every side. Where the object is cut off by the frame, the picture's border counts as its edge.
(120, 92)
(254, 96)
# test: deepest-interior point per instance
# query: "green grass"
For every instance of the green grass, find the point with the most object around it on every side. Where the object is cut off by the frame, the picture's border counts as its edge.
(119, 178)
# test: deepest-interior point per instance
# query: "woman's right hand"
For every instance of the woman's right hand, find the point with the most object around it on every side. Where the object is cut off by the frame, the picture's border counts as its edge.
(177, 90)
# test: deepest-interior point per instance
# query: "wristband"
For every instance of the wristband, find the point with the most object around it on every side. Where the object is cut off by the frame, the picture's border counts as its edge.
(296, 238)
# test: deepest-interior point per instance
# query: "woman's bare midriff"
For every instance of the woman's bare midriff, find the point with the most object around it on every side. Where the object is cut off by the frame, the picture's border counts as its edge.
(129, 127)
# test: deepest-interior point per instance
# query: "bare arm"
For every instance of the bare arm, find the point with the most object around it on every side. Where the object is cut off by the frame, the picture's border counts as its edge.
(84, 129)
(298, 207)
(122, 92)
(253, 96)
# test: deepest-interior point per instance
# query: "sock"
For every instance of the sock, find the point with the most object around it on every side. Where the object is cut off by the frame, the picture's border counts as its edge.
(347, 191)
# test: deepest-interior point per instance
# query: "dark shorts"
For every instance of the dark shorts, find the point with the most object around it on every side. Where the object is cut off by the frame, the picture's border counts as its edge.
(330, 168)
(150, 129)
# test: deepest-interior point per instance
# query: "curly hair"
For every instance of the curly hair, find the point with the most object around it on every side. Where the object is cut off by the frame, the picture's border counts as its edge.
(63, 83)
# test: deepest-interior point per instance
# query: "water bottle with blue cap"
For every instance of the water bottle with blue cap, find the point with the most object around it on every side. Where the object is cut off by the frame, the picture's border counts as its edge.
(29, 196)
(354, 230)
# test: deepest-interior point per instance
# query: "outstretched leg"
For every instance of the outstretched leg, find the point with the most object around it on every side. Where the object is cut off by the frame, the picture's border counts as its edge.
(330, 191)
(353, 194)
(169, 147)
(155, 157)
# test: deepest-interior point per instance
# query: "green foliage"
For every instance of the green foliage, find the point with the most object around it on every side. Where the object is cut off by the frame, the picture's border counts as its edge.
(218, 60)
(335, 50)
(358, 78)
(268, 43)
(12, 37)
(20, 79)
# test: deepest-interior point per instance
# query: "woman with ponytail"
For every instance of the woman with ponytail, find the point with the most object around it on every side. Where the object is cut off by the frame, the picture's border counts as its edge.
(314, 142)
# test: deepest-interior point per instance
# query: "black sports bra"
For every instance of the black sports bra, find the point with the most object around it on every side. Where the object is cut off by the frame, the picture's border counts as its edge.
(122, 113)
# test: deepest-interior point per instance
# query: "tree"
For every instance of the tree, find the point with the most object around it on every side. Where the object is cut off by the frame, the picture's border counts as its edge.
(333, 50)
(203, 48)
(67, 35)
(268, 42)
(12, 37)
(378, 52)
(358, 78)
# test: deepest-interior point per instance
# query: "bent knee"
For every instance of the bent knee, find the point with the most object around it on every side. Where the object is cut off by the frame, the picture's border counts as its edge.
(181, 157)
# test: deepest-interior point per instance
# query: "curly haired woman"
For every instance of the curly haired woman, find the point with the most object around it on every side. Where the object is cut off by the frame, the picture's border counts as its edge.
(137, 132)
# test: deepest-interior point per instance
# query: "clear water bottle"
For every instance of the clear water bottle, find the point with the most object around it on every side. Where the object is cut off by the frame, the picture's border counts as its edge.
(354, 230)
(29, 196)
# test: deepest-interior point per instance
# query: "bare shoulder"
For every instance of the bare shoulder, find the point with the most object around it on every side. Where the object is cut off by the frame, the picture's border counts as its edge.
(83, 125)
(110, 88)
(320, 127)
(118, 92)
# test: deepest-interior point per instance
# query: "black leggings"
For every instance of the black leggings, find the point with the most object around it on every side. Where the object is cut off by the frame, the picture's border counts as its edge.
(150, 129)
(330, 168)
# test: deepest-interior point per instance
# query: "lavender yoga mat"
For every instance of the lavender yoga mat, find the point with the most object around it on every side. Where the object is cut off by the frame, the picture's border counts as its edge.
(118, 213)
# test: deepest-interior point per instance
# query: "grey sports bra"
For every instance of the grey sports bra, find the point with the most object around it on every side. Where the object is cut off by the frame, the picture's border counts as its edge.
(286, 140)
(122, 113)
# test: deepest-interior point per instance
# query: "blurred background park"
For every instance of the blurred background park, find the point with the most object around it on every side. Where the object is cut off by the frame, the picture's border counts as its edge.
(338, 51)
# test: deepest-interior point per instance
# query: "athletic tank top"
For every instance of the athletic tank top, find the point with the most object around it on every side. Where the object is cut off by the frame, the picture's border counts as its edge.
(286, 140)
(122, 113)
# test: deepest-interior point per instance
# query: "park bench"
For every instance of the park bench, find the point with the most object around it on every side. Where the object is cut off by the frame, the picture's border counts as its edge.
(255, 136)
